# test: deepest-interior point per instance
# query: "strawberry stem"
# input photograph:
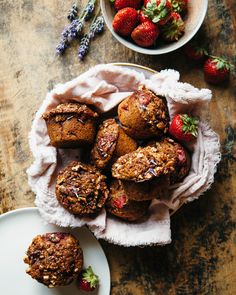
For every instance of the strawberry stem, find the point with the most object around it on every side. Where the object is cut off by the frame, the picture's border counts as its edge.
(190, 124)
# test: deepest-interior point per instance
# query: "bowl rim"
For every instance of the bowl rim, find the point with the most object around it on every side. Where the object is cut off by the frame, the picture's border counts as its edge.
(157, 51)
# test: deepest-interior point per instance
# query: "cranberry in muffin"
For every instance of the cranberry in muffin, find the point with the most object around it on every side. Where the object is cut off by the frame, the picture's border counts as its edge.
(143, 114)
(54, 259)
(120, 205)
(71, 125)
(111, 142)
(81, 189)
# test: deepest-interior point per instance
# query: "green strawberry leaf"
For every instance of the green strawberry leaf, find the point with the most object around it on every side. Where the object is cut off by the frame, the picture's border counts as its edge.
(190, 125)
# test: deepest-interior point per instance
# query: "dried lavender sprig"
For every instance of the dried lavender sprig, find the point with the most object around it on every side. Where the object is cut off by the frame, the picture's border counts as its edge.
(89, 9)
(73, 12)
(97, 27)
(75, 29)
(84, 47)
(61, 47)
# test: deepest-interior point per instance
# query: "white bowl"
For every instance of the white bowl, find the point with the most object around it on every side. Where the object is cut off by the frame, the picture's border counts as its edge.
(196, 13)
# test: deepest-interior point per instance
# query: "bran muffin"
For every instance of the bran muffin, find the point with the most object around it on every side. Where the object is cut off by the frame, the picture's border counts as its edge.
(71, 125)
(81, 189)
(120, 205)
(157, 188)
(54, 259)
(183, 160)
(143, 114)
(144, 164)
(111, 142)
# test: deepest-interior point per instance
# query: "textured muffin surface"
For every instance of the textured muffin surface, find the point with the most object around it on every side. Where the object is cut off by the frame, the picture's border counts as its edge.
(182, 157)
(54, 259)
(111, 142)
(81, 189)
(143, 114)
(144, 164)
(71, 125)
(120, 205)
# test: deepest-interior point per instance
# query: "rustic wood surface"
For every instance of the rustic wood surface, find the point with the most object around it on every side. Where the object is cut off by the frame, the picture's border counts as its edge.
(202, 256)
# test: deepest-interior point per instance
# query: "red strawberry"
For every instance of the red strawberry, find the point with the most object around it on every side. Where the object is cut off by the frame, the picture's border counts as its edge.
(159, 11)
(119, 201)
(174, 29)
(179, 5)
(125, 21)
(142, 17)
(120, 4)
(184, 128)
(195, 52)
(87, 280)
(145, 34)
(216, 70)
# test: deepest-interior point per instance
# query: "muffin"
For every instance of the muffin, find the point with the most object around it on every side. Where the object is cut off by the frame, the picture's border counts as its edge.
(81, 189)
(111, 143)
(183, 160)
(143, 114)
(157, 188)
(144, 164)
(54, 259)
(120, 205)
(71, 125)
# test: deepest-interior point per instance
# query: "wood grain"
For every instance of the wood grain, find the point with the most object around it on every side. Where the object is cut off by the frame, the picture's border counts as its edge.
(202, 257)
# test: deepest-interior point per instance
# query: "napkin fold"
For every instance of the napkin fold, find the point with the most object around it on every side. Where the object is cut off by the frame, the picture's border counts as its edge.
(105, 86)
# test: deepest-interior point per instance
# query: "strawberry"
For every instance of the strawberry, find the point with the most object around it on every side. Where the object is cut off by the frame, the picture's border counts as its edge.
(174, 29)
(120, 201)
(159, 11)
(87, 280)
(120, 4)
(145, 34)
(179, 5)
(195, 52)
(142, 17)
(184, 128)
(216, 70)
(125, 21)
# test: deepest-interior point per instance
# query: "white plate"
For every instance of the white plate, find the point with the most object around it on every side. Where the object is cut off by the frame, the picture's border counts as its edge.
(17, 229)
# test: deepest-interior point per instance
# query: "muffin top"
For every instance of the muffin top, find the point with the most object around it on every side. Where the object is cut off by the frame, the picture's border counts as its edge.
(81, 188)
(82, 111)
(153, 109)
(54, 259)
(183, 160)
(144, 164)
(105, 145)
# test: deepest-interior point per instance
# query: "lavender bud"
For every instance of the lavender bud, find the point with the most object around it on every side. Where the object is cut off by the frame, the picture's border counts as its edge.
(84, 47)
(72, 13)
(89, 9)
(61, 47)
(97, 27)
(75, 29)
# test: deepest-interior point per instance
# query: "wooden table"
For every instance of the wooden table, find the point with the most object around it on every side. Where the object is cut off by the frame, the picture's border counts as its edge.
(202, 256)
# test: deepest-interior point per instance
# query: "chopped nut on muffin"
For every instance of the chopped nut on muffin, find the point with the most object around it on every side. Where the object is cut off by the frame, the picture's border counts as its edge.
(81, 189)
(111, 143)
(144, 164)
(71, 125)
(183, 160)
(144, 115)
(120, 205)
(54, 259)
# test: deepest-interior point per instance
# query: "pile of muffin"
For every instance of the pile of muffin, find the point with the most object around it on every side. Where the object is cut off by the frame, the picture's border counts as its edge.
(128, 157)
